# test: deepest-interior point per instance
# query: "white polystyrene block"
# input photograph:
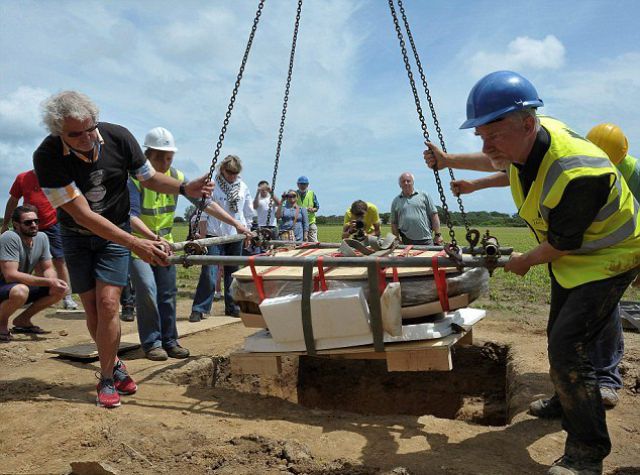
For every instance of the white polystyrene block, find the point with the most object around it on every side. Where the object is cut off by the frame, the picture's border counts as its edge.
(339, 313)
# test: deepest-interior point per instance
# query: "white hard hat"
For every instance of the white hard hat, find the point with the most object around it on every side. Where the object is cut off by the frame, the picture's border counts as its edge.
(160, 138)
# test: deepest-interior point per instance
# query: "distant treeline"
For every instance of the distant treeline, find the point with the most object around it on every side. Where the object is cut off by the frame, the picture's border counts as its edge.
(475, 218)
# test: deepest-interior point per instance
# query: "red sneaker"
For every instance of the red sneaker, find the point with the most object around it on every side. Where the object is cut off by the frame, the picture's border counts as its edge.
(107, 394)
(123, 382)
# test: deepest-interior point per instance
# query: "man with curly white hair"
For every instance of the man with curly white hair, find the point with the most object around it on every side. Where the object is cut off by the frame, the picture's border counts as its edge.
(83, 167)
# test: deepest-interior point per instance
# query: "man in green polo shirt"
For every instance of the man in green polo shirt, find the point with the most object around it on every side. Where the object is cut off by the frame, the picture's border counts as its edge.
(414, 217)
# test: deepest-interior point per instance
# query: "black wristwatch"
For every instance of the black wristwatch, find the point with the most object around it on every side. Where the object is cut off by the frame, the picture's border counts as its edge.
(183, 188)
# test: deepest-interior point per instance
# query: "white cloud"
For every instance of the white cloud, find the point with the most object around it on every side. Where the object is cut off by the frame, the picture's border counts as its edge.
(522, 53)
(20, 114)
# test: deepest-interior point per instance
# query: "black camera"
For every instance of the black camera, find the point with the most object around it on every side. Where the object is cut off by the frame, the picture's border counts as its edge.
(359, 224)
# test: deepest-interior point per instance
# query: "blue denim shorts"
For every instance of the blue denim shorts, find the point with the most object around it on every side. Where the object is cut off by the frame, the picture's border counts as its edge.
(35, 292)
(55, 241)
(90, 258)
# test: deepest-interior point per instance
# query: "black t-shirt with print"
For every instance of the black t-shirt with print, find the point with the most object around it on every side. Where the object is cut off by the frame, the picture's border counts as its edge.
(103, 182)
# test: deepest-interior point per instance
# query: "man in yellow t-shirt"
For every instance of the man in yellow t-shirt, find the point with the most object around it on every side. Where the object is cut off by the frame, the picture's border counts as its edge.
(362, 218)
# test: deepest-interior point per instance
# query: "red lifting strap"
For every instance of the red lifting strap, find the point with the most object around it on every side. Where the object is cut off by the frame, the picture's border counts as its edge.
(382, 277)
(440, 278)
(321, 280)
(257, 279)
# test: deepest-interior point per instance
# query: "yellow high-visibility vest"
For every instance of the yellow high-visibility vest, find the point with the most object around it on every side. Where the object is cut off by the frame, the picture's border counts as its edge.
(157, 210)
(611, 244)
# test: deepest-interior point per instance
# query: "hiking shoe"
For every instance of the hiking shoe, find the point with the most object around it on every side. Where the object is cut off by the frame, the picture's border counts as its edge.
(177, 352)
(123, 382)
(195, 316)
(610, 397)
(107, 395)
(547, 408)
(570, 466)
(128, 314)
(156, 354)
(68, 303)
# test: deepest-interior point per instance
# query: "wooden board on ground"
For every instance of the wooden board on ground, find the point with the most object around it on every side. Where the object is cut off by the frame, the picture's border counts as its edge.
(88, 350)
(61, 312)
(335, 273)
(426, 355)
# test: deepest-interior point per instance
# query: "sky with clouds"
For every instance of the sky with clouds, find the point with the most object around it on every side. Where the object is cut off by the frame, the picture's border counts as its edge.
(352, 126)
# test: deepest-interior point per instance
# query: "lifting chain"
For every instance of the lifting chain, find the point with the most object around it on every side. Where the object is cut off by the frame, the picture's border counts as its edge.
(285, 104)
(425, 132)
(431, 107)
(227, 116)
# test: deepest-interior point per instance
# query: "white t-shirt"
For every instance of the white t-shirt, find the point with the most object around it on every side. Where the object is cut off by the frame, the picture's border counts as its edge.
(263, 209)
(245, 212)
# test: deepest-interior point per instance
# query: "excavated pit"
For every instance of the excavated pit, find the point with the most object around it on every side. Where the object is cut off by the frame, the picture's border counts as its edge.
(474, 391)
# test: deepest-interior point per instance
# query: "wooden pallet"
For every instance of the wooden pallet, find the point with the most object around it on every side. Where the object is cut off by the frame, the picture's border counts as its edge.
(426, 355)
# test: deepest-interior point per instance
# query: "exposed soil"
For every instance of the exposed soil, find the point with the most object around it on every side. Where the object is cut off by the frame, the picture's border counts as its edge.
(194, 416)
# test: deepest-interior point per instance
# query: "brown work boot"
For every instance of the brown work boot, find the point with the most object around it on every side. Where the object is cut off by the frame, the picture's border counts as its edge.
(157, 354)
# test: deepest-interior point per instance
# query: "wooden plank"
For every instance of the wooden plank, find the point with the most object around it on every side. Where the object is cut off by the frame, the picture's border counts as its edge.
(253, 320)
(431, 308)
(421, 360)
(262, 365)
(131, 341)
(467, 338)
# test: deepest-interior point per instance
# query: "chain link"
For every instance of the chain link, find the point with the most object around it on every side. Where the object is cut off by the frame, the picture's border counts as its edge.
(431, 106)
(423, 125)
(227, 115)
(285, 104)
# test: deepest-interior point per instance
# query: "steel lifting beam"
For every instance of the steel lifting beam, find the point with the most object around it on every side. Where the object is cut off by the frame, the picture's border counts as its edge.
(179, 246)
(491, 248)
(269, 261)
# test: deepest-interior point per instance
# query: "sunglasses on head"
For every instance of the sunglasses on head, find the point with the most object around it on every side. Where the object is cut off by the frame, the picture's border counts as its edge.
(29, 222)
(75, 135)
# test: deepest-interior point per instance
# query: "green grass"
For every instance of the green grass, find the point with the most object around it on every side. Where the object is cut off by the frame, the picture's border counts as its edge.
(507, 291)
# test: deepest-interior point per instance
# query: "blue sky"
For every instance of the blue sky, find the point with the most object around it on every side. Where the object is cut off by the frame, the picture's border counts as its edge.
(352, 125)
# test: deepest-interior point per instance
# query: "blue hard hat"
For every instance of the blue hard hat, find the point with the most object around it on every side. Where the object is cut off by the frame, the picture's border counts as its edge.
(303, 180)
(496, 95)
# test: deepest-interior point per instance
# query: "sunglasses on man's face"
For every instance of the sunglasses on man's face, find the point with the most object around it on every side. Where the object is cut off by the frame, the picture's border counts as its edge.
(75, 135)
(30, 222)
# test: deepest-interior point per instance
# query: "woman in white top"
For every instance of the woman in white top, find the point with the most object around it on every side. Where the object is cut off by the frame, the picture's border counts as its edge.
(261, 205)
(233, 195)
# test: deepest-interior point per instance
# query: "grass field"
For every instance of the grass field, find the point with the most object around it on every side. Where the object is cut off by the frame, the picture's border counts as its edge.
(506, 289)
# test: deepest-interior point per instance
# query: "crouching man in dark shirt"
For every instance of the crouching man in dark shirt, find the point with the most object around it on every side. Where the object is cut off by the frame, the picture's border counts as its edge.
(83, 167)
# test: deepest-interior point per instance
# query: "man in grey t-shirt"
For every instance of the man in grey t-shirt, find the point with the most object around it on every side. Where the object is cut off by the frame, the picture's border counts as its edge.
(23, 251)
(414, 217)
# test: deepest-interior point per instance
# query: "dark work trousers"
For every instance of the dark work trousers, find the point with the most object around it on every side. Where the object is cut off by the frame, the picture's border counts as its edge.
(577, 319)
